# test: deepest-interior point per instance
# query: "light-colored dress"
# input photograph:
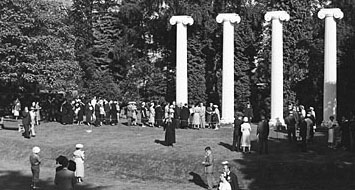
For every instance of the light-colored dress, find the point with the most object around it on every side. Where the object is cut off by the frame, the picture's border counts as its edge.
(79, 157)
(151, 114)
(225, 186)
(246, 129)
(196, 119)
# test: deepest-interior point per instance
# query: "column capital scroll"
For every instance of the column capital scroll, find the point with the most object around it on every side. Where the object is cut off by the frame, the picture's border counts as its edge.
(225, 17)
(185, 20)
(281, 15)
(333, 12)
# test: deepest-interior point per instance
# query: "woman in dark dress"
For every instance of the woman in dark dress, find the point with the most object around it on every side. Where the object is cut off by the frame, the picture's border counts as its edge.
(81, 112)
(113, 112)
(88, 113)
(169, 129)
(159, 114)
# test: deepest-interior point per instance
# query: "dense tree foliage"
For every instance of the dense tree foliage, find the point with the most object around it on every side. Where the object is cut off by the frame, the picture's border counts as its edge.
(36, 47)
(125, 49)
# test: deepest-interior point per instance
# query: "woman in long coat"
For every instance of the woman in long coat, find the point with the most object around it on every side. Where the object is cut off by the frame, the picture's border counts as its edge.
(169, 129)
(246, 130)
(79, 157)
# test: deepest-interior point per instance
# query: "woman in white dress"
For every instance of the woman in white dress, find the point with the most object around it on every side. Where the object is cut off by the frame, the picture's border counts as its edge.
(151, 120)
(196, 118)
(79, 156)
(224, 184)
(246, 130)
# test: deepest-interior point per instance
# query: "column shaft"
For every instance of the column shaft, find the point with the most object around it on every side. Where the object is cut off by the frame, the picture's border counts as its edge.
(330, 68)
(277, 71)
(181, 63)
(228, 73)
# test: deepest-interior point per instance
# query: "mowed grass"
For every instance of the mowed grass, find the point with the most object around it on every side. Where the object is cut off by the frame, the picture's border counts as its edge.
(122, 153)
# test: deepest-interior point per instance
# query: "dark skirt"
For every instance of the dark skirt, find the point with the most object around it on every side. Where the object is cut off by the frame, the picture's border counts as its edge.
(35, 173)
(169, 134)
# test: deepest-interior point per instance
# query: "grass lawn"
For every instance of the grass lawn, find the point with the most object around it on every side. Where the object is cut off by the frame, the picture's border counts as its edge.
(122, 157)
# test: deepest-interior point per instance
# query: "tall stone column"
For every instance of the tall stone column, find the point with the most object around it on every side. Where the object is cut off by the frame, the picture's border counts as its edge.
(181, 56)
(228, 20)
(330, 60)
(277, 64)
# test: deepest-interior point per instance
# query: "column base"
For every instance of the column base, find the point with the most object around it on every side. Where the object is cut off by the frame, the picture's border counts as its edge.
(276, 122)
(226, 121)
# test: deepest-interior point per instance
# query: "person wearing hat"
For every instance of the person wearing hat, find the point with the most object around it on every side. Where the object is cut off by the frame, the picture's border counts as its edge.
(79, 157)
(246, 130)
(64, 178)
(35, 166)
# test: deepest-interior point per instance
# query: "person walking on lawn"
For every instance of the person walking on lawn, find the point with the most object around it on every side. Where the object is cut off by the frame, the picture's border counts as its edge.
(208, 163)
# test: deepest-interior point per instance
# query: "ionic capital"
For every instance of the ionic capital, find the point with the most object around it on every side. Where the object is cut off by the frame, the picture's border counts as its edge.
(281, 15)
(228, 17)
(185, 20)
(333, 12)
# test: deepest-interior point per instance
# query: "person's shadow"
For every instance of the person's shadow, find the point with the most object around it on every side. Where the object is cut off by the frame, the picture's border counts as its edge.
(160, 142)
(225, 145)
(196, 178)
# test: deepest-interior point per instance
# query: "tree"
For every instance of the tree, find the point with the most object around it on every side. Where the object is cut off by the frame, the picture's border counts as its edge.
(37, 47)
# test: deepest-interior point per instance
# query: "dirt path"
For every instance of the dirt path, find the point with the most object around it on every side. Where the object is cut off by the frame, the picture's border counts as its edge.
(17, 176)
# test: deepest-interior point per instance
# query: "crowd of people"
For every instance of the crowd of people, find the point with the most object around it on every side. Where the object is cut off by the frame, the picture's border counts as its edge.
(68, 171)
(183, 116)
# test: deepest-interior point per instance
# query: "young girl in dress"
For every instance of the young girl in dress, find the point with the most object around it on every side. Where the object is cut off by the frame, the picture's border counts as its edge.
(79, 157)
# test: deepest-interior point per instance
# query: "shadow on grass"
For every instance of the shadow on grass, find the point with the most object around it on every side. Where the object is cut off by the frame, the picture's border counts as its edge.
(15, 180)
(196, 178)
(160, 142)
(226, 145)
(287, 168)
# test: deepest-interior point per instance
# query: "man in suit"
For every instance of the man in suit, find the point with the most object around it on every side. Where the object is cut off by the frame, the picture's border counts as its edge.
(64, 178)
(208, 163)
(237, 133)
(185, 114)
(230, 176)
(290, 121)
(262, 133)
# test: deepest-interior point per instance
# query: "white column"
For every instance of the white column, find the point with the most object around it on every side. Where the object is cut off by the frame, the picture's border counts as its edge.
(330, 60)
(181, 56)
(277, 64)
(228, 20)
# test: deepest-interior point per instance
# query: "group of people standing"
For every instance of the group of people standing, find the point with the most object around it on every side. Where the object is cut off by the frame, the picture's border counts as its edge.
(154, 114)
(30, 118)
(68, 172)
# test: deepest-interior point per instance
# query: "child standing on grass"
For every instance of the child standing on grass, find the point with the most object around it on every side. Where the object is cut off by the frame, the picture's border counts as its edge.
(208, 163)
(35, 163)
(79, 157)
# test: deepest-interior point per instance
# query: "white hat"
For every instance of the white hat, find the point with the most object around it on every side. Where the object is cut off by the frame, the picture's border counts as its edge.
(36, 149)
(79, 146)
(225, 163)
(216, 106)
(245, 119)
